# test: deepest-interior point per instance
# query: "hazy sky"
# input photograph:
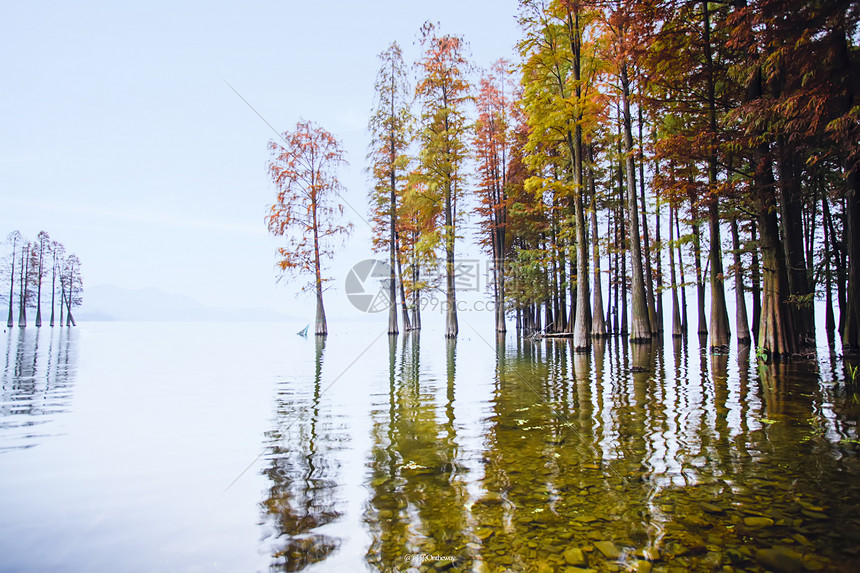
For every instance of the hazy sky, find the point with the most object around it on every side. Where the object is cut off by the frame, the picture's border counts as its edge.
(121, 139)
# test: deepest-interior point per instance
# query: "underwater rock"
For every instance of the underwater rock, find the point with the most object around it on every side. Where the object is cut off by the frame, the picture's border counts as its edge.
(780, 559)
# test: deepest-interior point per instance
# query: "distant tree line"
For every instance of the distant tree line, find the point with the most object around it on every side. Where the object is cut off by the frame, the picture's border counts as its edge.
(627, 134)
(31, 269)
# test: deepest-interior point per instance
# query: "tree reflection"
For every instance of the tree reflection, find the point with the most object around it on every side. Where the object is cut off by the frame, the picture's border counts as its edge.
(304, 472)
(418, 500)
(653, 453)
(36, 384)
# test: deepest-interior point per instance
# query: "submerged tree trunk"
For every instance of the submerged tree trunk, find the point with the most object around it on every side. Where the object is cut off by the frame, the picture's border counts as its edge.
(416, 292)
(392, 245)
(677, 329)
(700, 282)
(598, 324)
(407, 324)
(776, 332)
(829, 320)
(658, 259)
(838, 252)
(39, 286)
(640, 322)
(720, 330)
(646, 246)
(582, 321)
(9, 321)
(70, 320)
(756, 283)
(321, 328)
(684, 322)
(741, 320)
(851, 329)
(22, 288)
(451, 326)
(53, 290)
(791, 208)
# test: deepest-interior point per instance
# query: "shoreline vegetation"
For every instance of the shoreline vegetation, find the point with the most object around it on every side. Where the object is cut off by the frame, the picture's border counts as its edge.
(31, 264)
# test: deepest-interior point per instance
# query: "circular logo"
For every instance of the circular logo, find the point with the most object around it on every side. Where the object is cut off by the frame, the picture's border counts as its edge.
(367, 285)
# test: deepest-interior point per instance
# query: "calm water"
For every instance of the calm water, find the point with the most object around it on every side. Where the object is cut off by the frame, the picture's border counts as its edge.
(243, 447)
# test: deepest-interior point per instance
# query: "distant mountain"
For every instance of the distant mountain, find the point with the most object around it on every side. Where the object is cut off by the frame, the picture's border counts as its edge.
(112, 303)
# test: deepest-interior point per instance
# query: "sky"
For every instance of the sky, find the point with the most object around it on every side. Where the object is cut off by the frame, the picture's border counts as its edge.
(122, 138)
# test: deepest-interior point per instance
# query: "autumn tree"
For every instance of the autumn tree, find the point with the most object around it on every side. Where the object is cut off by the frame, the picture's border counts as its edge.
(495, 107)
(624, 24)
(688, 78)
(389, 127)
(418, 237)
(443, 91)
(306, 210)
(559, 75)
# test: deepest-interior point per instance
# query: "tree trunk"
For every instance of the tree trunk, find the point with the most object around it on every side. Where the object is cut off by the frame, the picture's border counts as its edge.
(649, 272)
(676, 311)
(720, 332)
(53, 290)
(685, 324)
(9, 321)
(70, 320)
(598, 323)
(451, 326)
(791, 208)
(741, 320)
(839, 253)
(755, 270)
(658, 258)
(640, 323)
(392, 245)
(700, 281)
(407, 325)
(39, 286)
(416, 292)
(62, 300)
(851, 330)
(829, 320)
(321, 328)
(22, 288)
(612, 317)
(776, 332)
(582, 322)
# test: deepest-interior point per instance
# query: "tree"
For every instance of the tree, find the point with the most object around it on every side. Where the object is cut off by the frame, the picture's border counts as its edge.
(444, 92)
(418, 236)
(43, 246)
(72, 286)
(58, 253)
(303, 167)
(559, 73)
(623, 36)
(25, 282)
(389, 126)
(688, 78)
(493, 138)
(14, 238)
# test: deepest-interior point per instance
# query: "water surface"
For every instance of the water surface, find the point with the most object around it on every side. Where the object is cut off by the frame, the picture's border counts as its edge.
(243, 447)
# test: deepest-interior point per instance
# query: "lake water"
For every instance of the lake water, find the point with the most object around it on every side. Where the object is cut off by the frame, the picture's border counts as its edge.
(243, 447)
